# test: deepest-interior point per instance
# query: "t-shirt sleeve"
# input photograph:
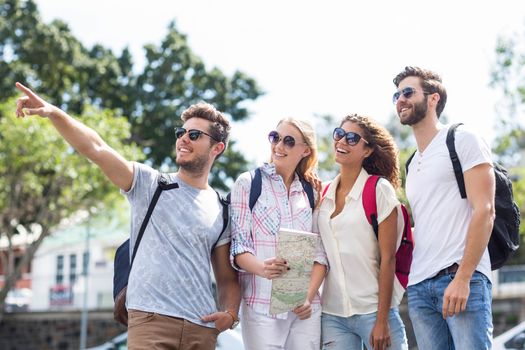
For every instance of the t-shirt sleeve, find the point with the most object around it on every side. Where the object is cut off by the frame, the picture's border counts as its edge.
(472, 149)
(143, 178)
(225, 237)
(386, 199)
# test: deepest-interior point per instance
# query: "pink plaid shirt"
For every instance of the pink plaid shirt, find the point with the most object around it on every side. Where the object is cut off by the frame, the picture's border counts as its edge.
(256, 231)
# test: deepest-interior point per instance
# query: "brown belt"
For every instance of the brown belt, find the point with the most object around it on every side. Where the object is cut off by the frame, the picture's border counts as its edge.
(447, 270)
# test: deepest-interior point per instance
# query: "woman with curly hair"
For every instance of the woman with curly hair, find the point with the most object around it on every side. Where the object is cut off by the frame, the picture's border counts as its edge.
(361, 294)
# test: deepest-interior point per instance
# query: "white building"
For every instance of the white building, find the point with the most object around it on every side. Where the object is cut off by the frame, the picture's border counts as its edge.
(58, 268)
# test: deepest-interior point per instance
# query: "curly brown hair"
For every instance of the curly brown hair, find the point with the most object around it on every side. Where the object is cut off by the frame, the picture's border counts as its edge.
(430, 82)
(384, 160)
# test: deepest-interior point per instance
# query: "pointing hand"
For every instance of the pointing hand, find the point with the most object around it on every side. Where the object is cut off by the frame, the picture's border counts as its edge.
(32, 104)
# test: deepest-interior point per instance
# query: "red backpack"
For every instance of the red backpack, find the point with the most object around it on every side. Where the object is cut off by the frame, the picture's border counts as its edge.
(404, 251)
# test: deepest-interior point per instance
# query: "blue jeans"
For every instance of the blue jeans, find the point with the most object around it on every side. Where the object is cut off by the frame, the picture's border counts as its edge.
(350, 333)
(471, 329)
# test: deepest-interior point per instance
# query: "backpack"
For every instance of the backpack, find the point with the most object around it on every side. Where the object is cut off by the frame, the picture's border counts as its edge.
(406, 246)
(256, 187)
(505, 236)
(122, 263)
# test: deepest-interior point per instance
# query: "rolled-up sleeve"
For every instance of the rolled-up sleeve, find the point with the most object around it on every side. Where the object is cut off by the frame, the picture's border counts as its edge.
(320, 253)
(241, 219)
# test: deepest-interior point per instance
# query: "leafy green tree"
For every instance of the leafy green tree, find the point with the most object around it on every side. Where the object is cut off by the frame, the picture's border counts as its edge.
(402, 134)
(327, 167)
(508, 77)
(44, 181)
(173, 79)
(52, 61)
(406, 145)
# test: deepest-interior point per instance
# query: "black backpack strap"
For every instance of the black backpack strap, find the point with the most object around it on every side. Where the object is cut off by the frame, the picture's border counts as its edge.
(409, 160)
(162, 184)
(225, 202)
(307, 187)
(456, 165)
(255, 187)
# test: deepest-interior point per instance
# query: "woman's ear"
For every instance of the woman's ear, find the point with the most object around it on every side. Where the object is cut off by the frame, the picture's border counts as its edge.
(307, 152)
(368, 151)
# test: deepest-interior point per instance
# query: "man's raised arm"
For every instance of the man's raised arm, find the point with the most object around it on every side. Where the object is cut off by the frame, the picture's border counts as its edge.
(82, 138)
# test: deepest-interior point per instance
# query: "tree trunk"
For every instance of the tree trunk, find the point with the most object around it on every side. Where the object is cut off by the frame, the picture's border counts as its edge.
(13, 276)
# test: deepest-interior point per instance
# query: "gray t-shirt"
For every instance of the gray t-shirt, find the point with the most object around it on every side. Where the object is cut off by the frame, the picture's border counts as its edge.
(171, 274)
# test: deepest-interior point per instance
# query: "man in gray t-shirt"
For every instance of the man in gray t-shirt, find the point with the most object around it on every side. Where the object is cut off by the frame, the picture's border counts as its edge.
(169, 297)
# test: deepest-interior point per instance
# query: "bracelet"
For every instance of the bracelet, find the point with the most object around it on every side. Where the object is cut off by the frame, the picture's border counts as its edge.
(234, 317)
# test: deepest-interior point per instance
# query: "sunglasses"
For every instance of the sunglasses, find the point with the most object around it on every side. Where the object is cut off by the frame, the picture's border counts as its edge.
(406, 92)
(288, 141)
(193, 134)
(351, 137)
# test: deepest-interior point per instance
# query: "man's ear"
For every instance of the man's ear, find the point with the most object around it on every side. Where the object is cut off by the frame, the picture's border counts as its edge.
(434, 99)
(218, 148)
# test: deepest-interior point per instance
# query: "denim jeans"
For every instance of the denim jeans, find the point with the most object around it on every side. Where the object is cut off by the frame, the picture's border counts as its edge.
(350, 333)
(471, 329)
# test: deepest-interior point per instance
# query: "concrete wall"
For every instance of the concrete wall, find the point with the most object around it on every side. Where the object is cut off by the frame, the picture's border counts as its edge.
(55, 330)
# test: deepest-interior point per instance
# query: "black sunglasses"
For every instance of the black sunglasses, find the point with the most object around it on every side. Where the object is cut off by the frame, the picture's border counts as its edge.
(288, 141)
(406, 92)
(351, 137)
(193, 134)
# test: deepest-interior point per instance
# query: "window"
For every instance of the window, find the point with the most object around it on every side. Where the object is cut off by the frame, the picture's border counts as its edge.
(60, 270)
(72, 269)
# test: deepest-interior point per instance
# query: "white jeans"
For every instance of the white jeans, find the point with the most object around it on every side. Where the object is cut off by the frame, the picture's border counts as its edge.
(260, 332)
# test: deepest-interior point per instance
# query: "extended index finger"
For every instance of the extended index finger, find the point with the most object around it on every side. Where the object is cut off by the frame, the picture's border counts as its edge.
(26, 90)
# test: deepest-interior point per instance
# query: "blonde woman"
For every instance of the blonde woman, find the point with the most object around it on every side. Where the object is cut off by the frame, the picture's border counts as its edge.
(283, 202)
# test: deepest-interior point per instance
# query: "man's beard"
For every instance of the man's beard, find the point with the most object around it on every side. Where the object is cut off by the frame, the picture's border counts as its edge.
(194, 166)
(419, 111)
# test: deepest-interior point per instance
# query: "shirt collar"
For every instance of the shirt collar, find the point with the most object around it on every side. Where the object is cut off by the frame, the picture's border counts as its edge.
(269, 168)
(356, 190)
(359, 185)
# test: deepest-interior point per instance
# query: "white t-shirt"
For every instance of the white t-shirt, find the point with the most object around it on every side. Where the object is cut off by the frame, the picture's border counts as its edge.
(352, 284)
(440, 215)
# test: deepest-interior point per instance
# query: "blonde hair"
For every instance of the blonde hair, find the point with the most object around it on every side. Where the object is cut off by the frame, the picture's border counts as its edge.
(308, 164)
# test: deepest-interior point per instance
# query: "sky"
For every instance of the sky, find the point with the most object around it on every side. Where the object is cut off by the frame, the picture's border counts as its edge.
(316, 58)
